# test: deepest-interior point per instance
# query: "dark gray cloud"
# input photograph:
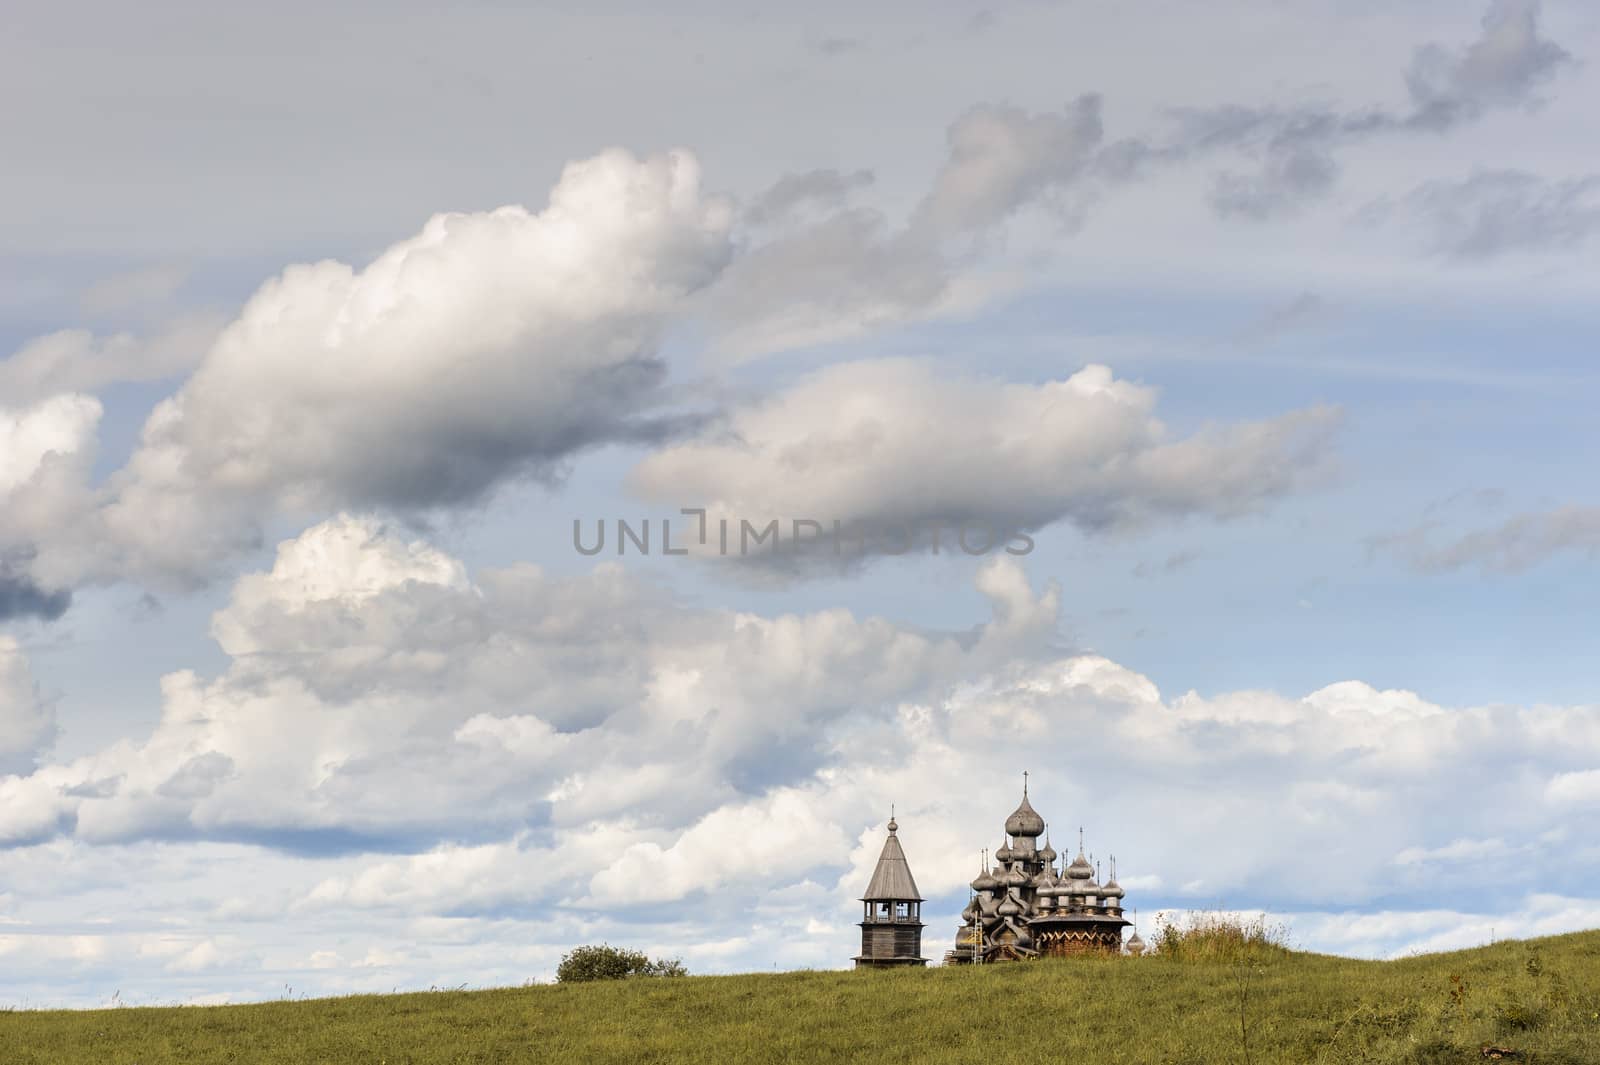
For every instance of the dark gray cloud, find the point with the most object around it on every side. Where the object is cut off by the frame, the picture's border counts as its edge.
(1173, 563)
(1498, 211)
(813, 188)
(1501, 68)
(1305, 311)
(1285, 179)
(822, 279)
(20, 597)
(1516, 544)
(1296, 147)
(835, 46)
(1002, 158)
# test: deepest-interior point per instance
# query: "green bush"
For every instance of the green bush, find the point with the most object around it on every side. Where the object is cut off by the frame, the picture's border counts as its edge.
(606, 962)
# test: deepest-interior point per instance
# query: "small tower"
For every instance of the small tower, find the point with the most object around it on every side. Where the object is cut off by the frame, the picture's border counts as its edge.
(891, 923)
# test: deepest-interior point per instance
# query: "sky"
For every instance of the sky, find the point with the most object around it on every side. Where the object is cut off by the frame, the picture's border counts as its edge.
(1250, 347)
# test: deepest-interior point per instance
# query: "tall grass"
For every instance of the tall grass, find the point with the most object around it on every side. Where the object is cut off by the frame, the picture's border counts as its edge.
(1217, 936)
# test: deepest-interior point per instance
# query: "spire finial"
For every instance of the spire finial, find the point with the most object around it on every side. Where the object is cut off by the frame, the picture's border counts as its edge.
(1024, 783)
(1080, 839)
(892, 826)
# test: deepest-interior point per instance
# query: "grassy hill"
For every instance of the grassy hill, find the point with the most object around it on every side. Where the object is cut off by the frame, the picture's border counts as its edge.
(1539, 998)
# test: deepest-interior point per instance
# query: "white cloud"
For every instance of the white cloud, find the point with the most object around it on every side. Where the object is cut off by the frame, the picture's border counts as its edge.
(380, 699)
(340, 563)
(78, 360)
(377, 695)
(27, 722)
(892, 446)
(54, 430)
(139, 290)
(1574, 788)
(1002, 159)
(1461, 850)
(46, 452)
(487, 347)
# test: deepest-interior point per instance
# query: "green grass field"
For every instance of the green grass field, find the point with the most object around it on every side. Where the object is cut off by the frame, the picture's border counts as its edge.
(1539, 998)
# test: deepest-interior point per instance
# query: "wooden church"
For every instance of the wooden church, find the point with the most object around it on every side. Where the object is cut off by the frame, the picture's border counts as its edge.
(1020, 908)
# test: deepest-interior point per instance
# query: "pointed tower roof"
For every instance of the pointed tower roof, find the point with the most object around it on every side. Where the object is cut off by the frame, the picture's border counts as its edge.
(892, 881)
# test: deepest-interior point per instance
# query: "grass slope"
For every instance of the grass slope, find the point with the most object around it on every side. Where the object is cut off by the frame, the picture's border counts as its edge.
(1540, 998)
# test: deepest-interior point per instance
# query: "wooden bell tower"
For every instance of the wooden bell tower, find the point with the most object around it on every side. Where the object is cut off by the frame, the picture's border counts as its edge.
(891, 920)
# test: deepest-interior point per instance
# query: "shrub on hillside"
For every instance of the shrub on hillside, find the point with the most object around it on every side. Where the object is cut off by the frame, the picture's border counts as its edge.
(606, 962)
(1220, 937)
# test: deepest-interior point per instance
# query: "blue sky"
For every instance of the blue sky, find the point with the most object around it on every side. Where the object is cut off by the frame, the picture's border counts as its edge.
(1273, 326)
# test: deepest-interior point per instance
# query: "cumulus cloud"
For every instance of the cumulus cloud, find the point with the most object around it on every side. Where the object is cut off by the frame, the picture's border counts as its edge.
(79, 360)
(380, 698)
(489, 346)
(46, 450)
(37, 437)
(887, 447)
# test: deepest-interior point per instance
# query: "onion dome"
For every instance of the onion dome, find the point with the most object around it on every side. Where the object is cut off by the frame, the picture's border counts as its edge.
(1044, 881)
(969, 914)
(1135, 945)
(1112, 889)
(1048, 855)
(1005, 853)
(1016, 878)
(1009, 907)
(1080, 869)
(1025, 820)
